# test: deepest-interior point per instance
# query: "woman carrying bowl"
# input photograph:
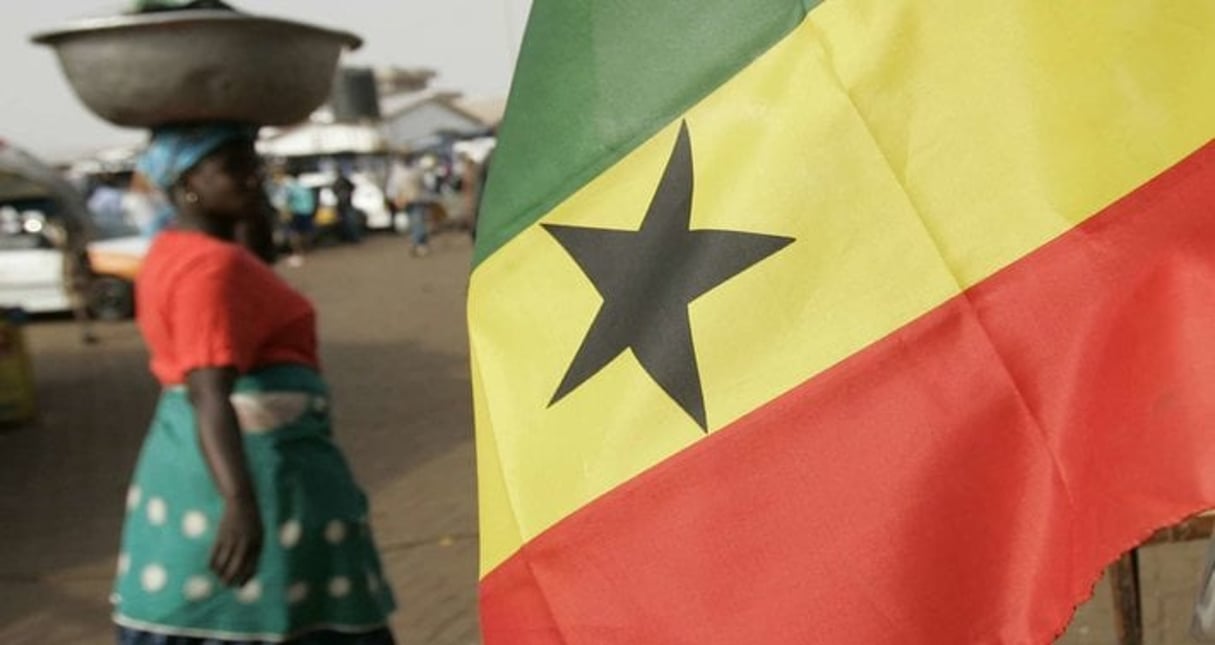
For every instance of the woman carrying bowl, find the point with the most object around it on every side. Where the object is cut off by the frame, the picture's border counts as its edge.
(244, 524)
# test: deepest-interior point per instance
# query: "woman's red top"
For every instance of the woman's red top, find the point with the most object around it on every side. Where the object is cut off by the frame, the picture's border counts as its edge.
(203, 302)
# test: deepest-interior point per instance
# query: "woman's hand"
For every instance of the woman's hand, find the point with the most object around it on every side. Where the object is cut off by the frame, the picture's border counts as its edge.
(238, 543)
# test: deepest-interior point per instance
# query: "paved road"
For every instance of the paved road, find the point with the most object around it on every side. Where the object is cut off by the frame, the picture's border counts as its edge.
(395, 350)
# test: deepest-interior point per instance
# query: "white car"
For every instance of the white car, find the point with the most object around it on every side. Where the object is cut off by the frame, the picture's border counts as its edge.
(367, 198)
(32, 268)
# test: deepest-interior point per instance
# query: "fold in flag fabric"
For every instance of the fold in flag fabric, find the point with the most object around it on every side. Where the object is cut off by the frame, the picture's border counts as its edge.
(868, 321)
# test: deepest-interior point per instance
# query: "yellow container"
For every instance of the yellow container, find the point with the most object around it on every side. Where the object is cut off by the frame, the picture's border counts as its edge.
(17, 403)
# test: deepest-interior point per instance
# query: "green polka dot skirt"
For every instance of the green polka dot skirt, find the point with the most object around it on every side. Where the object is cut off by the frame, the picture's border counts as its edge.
(318, 569)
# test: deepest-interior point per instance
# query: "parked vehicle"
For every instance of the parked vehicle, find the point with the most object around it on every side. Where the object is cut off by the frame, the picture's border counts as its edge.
(367, 198)
(115, 256)
(31, 269)
(32, 273)
(40, 215)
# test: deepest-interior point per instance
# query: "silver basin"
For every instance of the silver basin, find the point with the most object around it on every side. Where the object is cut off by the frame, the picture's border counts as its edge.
(145, 70)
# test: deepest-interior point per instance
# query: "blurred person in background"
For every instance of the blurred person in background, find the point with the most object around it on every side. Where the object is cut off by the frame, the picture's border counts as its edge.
(349, 223)
(408, 191)
(244, 524)
(470, 189)
(105, 202)
(146, 207)
(301, 205)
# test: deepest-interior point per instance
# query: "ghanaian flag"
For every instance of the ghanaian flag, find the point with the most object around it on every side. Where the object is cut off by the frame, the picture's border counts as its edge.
(868, 321)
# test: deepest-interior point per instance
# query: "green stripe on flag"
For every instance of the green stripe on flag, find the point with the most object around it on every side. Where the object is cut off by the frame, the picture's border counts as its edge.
(597, 77)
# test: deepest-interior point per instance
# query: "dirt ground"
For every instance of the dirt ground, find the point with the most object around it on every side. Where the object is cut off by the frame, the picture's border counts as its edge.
(395, 351)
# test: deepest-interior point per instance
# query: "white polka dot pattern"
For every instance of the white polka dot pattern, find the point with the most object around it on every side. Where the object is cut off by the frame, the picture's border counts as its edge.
(339, 587)
(133, 497)
(250, 593)
(124, 564)
(335, 532)
(289, 534)
(158, 511)
(194, 524)
(198, 588)
(154, 578)
(297, 593)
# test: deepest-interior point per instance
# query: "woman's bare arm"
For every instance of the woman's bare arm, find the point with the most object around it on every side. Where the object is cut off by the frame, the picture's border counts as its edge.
(238, 542)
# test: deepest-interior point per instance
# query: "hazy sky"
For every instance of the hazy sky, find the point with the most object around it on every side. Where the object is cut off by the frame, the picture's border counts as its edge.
(471, 43)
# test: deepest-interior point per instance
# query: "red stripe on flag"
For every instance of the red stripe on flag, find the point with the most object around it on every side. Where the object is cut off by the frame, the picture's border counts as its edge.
(964, 480)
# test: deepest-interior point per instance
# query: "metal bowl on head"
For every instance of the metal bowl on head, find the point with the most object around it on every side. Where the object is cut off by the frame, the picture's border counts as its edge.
(145, 70)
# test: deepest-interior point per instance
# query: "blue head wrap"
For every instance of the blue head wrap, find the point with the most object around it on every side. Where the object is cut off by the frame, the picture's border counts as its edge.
(174, 150)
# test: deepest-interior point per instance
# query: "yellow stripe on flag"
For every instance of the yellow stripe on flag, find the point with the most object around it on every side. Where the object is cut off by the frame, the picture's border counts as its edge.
(498, 527)
(907, 166)
(1010, 122)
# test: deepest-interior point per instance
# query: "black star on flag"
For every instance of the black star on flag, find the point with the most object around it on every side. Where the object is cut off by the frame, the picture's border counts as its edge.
(648, 277)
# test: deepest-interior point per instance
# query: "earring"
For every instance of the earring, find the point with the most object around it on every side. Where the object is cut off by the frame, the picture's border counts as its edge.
(192, 197)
